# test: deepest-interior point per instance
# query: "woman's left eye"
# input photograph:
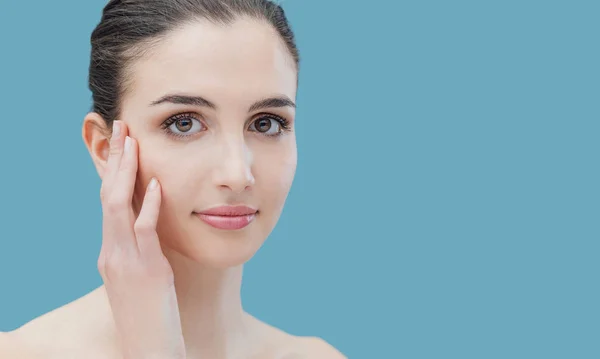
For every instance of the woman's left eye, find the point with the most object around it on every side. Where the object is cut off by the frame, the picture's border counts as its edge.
(268, 126)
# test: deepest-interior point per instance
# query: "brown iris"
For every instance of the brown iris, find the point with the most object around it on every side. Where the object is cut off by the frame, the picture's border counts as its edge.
(263, 124)
(184, 124)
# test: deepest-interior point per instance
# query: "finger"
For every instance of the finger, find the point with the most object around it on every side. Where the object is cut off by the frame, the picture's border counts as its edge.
(145, 225)
(118, 210)
(112, 164)
(114, 155)
(124, 180)
(123, 184)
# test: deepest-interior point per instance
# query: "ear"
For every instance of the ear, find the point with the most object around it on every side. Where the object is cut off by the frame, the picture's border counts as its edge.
(96, 136)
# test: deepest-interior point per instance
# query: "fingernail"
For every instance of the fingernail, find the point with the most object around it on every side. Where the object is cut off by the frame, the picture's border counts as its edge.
(116, 128)
(127, 144)
(152, 184)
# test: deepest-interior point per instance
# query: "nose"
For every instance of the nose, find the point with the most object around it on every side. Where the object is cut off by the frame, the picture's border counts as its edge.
(234, 167)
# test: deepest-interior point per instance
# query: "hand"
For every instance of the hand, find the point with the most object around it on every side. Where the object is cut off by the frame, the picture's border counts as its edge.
(138, 278)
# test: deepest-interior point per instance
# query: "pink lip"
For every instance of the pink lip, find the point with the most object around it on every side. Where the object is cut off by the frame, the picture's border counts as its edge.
(228, 217)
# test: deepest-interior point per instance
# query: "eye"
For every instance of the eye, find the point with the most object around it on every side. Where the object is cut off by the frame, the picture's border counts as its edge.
(269, 125)
(183, 125)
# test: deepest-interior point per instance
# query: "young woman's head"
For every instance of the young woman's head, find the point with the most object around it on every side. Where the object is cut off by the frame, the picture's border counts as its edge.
(207, 88)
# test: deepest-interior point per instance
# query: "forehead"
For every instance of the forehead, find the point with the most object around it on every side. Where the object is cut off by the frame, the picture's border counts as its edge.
(238, 62)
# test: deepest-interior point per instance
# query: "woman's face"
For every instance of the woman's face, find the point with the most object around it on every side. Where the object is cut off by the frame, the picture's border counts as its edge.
(212, 108)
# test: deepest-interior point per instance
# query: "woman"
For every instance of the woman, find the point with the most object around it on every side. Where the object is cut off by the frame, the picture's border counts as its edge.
(192, 134)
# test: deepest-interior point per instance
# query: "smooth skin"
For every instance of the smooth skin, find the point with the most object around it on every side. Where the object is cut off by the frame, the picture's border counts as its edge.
(171, 282)
(138, 278)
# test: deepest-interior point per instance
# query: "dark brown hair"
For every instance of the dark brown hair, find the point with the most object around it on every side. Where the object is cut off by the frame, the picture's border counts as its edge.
(129, 28)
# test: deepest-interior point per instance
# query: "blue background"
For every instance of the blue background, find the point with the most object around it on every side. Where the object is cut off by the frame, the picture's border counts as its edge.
(446, 203)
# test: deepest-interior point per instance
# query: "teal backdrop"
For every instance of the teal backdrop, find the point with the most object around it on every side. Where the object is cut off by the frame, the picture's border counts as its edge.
(446, 203)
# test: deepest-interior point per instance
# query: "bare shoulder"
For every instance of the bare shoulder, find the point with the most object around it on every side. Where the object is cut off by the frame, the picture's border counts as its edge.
(12, 347)
(288, 346)
(29, 341)
(38, 341)
(24, 343)
(315, 347)
(7, 349)
(75, 330)
(311, 348)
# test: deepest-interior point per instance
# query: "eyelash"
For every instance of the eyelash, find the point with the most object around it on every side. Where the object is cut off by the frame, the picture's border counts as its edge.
(284, 123)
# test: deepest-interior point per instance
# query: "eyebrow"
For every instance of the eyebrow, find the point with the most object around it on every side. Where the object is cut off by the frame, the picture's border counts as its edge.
(271, 102)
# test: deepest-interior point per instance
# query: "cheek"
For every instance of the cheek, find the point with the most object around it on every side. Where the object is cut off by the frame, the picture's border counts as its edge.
(275, 171)
(171, 166)
(183, 178)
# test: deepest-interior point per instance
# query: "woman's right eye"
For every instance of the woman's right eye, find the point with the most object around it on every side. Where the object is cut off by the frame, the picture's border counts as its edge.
(183, 126)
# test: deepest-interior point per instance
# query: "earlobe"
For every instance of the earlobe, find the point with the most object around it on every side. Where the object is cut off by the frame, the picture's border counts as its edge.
(96, 136)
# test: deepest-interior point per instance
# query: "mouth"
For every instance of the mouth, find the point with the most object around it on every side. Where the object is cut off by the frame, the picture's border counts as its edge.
(228, 217)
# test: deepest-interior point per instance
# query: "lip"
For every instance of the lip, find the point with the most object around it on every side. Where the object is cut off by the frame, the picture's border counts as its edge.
(228, 217)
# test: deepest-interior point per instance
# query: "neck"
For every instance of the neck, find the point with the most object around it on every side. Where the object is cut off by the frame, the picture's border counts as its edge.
(213, 321)
(212, 317)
